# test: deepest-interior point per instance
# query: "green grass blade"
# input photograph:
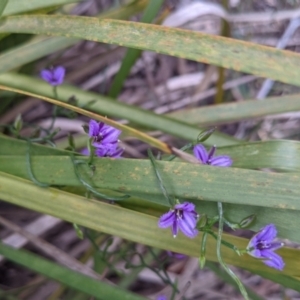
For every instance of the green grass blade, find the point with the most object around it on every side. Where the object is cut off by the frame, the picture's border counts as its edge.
(40, 47)
(106, 106)
(18, 7)
(133, 54)
(33, 50)
(129, 130)
(77, 281)
(273, 198)
(238, 55)
(238, 111)
(3, 4)
(281, 155)
(128, 224)
(132, 176)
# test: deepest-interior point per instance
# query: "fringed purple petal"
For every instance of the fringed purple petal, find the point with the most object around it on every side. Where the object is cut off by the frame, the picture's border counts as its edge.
(108, 147)
(189, 218)
(101, 152)
(175, 227)
(187, 224)
(254, 252)
(110, 135)
(276, 245)
(211, 152)
(201, 153)
(46, 75)
(167, 219)
(273, 260)
(186, 230)
(108, 151)
(267, 233)
(186, 206)
(115, 154)
(221, 161)
(93, 128)
(59, 74)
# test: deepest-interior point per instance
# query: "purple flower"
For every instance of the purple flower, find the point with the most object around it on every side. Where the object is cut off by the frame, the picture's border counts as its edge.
(105, 139)
(54, 76)
(104, 136)
(207, 158)
(262, 245)
(114, 153)
(182, 216)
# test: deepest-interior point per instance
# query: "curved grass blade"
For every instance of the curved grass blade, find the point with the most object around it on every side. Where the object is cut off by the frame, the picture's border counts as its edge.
(140, 135)
(3, 4)
(17, 7)
(238, 55)
(128, 224)
(238, 111)
(133, 54)
(273, 198)
(41, 46)
(133, 176)
(70, 278)
(280, 155)
(106, 106)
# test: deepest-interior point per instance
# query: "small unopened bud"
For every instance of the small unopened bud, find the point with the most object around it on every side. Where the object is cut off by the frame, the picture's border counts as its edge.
(78, 231)
(202, 221)
(85, 128)
(18, 124)
(247, 222)
(205, 134)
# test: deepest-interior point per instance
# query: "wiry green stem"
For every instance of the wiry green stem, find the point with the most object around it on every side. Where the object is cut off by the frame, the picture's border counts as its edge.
(219, 242)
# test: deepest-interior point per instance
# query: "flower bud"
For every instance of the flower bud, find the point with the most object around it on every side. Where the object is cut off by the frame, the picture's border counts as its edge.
(247, 222)
(18, 124)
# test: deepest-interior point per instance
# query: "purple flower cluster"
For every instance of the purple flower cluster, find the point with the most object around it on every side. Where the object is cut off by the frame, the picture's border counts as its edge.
(262, 245)
(54, 76)
(208, 158)
(182, 216)
(105, 139)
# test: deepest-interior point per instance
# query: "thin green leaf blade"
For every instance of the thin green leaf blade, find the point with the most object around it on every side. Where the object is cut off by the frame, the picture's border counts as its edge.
(3, 4)
(242, 56)
(18, 7)
(238, 111)
(132, 54)
(273, 198)
(40, 47)
(129, 224)
(77, 281)
(106, 106)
